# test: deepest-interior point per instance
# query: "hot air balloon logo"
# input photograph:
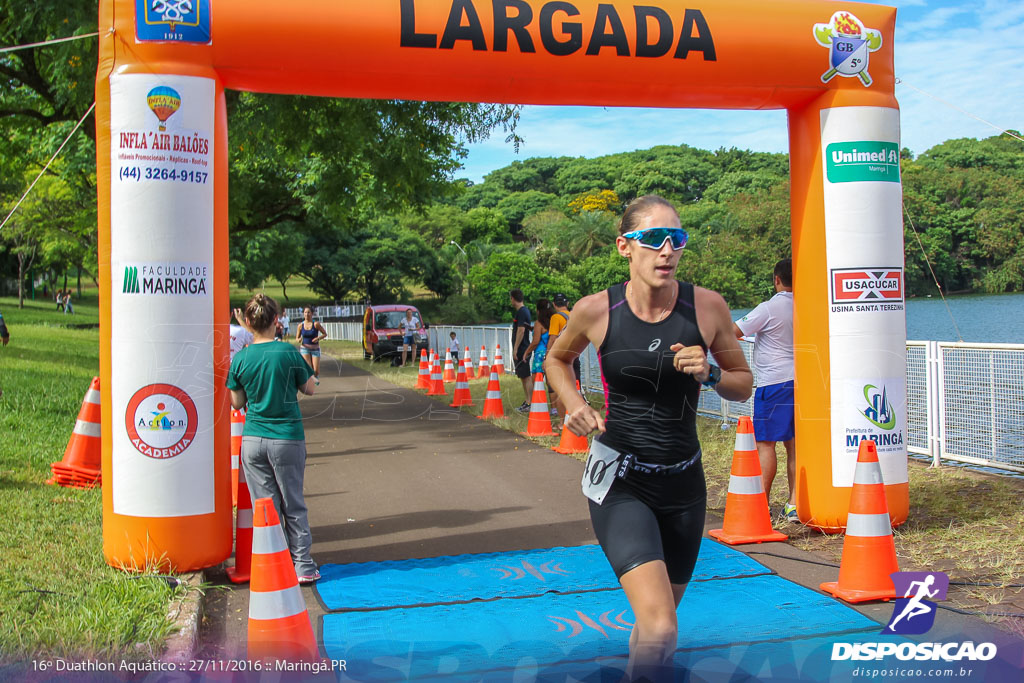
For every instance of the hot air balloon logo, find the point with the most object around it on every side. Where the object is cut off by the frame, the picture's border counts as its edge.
(163, 101)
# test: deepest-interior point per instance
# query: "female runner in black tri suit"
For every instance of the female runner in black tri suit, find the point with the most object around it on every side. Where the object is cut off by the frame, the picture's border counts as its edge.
(652, 334)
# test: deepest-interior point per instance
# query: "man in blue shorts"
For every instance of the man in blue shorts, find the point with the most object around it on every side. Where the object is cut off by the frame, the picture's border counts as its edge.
(772, 323)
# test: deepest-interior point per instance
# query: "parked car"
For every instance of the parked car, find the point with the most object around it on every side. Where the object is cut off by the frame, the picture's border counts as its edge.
(382, 336)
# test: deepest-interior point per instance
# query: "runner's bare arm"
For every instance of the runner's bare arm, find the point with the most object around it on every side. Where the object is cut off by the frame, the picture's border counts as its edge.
(587, 325)
(716, 327)
(238, 398)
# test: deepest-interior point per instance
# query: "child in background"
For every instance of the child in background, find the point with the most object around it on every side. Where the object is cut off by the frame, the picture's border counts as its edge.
(267, 374)
(454, 347)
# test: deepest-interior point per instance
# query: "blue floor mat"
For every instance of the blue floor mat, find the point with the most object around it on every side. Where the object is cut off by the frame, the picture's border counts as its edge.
(460, 578)
(451, 640)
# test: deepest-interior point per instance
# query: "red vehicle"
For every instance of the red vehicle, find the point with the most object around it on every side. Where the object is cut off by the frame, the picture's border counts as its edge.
(382, 336)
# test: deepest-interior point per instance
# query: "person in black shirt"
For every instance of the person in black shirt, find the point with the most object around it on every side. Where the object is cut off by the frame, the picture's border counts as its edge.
(521, 325)
(653, 334)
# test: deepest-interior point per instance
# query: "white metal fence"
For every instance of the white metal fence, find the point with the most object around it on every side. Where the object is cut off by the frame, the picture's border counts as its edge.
(341, 310)
(965, 402)
(344, 331)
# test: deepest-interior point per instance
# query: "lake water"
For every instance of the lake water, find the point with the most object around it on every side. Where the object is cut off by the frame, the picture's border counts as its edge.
(979, 318)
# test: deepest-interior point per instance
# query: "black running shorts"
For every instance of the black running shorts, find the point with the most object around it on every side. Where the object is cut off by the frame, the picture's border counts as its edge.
(648, 517)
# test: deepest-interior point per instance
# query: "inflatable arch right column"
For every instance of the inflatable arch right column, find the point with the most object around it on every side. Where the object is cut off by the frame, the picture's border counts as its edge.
(849, 322)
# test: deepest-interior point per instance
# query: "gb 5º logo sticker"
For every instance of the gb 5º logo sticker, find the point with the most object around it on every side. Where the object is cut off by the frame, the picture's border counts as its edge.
(849, 44)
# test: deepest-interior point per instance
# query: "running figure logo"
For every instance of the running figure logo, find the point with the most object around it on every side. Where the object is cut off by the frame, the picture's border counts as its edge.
(913, 613)
(849, 44)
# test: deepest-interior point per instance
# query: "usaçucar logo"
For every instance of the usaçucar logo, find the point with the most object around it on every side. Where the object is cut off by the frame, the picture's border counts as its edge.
(161, 420)
(867, 285)
(185, 21)
(849, 44)
(879, 411)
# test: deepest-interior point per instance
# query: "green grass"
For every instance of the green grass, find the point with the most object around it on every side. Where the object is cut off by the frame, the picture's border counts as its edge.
(961, 522)
(57, 595)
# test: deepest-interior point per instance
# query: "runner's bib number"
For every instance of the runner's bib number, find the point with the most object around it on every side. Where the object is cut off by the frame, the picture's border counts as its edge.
(600, 471)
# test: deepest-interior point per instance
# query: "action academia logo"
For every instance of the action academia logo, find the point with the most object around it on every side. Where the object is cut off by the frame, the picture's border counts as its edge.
(161, 420)
(849, 44)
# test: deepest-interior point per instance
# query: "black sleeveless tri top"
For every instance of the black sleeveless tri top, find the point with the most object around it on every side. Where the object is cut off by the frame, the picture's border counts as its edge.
(652, 407)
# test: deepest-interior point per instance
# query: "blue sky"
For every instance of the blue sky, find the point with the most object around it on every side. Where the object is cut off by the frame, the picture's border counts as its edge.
(965, 52)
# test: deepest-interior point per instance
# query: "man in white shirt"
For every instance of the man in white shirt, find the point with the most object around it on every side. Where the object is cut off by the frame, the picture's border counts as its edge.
(285, 321)
(772, 323)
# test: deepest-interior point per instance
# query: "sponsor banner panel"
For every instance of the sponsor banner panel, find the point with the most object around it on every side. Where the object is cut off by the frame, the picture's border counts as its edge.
(161, 294)
(866, 286)
(872, 416)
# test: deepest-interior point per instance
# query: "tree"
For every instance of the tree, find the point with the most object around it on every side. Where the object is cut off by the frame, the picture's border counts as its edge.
(505, 271)
(44, 92)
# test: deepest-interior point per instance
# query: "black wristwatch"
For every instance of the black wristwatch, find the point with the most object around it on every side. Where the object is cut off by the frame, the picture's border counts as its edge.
(714, 376)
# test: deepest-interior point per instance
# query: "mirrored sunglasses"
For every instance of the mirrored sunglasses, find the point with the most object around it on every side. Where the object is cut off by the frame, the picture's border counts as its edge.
(654, 238)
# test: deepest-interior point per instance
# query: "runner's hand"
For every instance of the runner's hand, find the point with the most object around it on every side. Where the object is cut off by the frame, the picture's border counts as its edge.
(691, 360)
(584, 420)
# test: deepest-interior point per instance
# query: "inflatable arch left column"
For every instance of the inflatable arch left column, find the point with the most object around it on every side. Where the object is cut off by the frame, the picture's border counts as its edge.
(161, 146)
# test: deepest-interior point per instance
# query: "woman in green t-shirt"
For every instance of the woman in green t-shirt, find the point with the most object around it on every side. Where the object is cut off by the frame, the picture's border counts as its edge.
(266, 375)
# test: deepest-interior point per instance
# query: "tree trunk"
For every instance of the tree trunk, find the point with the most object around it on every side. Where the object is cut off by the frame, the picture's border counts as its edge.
(284, 289)
(80, 281)
(21, 281)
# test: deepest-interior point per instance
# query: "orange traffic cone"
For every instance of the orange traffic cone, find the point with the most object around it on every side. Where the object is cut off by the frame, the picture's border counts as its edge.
(499, 362)
(80, 467)
(493, 407)
(237, 425)
(539, 422)
(570, 443)
(243, 531)
(747, 519)
(449, 369)
(869, 553)
(436, 383)
(484, 370)
(462, 397)
(279, 626)
(423, 378)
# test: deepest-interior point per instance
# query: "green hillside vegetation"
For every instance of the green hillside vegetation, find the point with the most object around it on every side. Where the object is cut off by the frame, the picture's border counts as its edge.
(547, 225)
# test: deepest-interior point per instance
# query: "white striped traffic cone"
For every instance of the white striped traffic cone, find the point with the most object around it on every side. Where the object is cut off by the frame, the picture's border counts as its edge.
(279, 626)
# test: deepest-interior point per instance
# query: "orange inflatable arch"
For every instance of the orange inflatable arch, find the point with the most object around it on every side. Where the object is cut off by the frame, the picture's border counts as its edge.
(163, 226)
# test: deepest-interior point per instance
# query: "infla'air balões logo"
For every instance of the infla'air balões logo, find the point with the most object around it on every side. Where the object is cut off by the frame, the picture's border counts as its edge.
(849, 44)
(163, 102)
(182, 21)
(161, 421)
(913, 614)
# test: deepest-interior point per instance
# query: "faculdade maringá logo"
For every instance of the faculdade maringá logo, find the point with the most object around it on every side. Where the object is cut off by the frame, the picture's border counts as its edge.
(879, 411)
(131, 280)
